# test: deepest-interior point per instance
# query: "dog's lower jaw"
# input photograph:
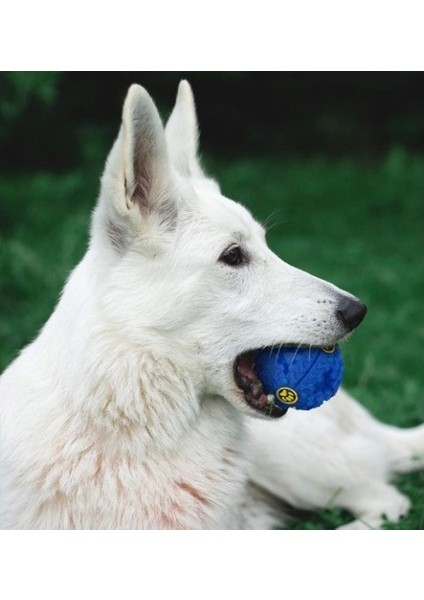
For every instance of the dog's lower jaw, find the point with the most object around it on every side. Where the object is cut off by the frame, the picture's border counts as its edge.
(236, 398)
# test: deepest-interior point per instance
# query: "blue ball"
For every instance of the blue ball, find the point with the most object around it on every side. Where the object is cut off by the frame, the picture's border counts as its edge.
(301, 378)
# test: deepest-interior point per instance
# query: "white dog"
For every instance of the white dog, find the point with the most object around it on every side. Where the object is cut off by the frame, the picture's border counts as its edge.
(132, 408)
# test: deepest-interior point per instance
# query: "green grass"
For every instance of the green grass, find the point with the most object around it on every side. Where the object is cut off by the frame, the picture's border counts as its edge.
(357, 225)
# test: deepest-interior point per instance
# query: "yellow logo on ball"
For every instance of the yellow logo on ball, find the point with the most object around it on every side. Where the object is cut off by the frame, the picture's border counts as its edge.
(287, 395)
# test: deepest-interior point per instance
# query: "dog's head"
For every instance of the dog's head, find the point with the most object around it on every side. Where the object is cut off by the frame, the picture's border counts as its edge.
(189, 270)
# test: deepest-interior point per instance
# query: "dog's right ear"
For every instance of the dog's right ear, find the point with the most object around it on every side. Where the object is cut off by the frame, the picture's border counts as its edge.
(136, 184)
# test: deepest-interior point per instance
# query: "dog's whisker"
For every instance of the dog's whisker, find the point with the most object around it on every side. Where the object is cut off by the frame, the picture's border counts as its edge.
(269, 223)
(296, 351)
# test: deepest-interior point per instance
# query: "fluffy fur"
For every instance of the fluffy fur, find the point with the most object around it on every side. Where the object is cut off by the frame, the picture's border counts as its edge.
(124, 412)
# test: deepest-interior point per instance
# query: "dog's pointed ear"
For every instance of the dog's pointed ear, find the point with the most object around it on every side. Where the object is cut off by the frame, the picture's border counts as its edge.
(136, 195)
(137, 172)
(182, 133)
(144, 153)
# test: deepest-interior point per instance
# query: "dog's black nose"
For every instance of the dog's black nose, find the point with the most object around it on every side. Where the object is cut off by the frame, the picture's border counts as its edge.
(351, 312)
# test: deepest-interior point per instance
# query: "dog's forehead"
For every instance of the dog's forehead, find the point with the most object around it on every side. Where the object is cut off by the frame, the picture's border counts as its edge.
(227, 215)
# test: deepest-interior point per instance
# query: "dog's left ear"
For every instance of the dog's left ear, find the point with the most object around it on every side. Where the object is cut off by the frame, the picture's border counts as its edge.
(146, 163)
(182, 134)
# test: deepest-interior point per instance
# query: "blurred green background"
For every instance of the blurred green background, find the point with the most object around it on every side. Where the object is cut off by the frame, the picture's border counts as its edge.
(333, 162)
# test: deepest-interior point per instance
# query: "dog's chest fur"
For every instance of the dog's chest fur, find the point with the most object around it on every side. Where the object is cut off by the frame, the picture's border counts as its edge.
(198, 483)
(85, 472)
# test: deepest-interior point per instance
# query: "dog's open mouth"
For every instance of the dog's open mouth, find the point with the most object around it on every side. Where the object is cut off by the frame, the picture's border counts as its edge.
(247, 380)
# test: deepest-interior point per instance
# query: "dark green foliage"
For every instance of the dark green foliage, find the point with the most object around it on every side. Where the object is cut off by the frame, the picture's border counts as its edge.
(47, 119)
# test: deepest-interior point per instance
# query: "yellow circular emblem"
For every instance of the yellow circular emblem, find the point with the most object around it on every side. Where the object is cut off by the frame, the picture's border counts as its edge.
(287, 395)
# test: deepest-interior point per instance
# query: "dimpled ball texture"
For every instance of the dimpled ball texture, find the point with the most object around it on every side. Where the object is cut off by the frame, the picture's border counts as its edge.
(301, 378)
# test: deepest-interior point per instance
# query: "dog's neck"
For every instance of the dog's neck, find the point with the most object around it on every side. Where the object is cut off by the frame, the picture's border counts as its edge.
(119, 385)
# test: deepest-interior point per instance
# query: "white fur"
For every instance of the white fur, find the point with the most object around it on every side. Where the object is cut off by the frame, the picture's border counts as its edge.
(124, 413)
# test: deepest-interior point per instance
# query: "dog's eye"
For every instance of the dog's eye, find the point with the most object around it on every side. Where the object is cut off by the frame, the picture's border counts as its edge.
(233, 256)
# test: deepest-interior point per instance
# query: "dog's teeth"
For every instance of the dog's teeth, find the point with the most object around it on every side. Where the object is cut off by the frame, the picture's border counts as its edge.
(270, 398)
